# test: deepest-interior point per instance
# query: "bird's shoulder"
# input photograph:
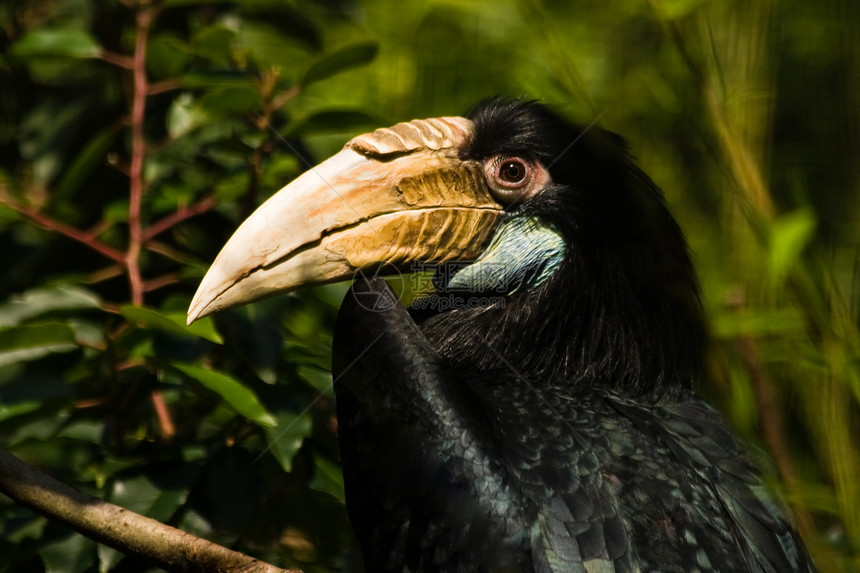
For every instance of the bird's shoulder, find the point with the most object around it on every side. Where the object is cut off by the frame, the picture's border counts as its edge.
(617, 484)
(731, 513)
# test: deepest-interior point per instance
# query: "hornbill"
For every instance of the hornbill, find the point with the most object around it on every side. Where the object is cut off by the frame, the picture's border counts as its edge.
(536, 412)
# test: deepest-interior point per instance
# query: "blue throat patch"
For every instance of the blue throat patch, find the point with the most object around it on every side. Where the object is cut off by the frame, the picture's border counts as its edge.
(522, 254)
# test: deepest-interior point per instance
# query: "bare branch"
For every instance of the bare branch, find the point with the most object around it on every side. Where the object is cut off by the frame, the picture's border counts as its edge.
(168, 428)
(144, 17)
(116, 59)
(128, 532)
(161, 282)
(49, 223)
(178, 216)
(164, 86)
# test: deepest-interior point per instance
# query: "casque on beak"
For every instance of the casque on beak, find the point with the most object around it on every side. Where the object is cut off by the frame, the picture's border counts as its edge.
(389, 198)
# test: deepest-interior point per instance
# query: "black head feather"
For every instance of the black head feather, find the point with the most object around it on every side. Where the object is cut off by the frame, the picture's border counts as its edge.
(622, 311)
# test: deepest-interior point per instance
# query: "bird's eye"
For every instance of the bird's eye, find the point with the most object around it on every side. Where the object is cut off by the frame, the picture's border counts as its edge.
(513, 172)
(512, 178)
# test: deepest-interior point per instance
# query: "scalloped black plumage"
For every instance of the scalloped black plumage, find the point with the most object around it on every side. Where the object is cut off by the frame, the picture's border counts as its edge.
(555, 431)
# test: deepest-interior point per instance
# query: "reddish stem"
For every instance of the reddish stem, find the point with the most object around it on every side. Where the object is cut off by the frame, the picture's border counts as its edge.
(162, 281)
(116, 59)
(96, 230)
(104, 274)
(138, 149)
(284, 97)
(169, 252)
(164, 86)
(168, 430)
(178, 216)
(51, 224)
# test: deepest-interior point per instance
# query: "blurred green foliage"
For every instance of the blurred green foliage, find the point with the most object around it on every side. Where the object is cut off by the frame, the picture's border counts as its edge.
(744, 112)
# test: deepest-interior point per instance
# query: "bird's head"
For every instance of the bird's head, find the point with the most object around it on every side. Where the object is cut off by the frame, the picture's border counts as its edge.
(586, 274)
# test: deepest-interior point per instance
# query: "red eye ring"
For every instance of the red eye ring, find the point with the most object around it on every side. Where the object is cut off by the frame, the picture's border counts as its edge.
(513, 178)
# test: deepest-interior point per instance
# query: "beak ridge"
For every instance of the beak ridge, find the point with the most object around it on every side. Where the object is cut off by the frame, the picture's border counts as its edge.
(390, 197)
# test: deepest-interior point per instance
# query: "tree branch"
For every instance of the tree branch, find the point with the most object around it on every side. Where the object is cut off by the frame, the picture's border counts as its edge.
(144, 17)
(164, 86)
(168, 429)
(183, 213)
(128, 532)
(49, 223)
(116, 59)
(161, 282)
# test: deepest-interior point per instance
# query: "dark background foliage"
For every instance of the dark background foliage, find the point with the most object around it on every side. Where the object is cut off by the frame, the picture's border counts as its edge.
(134, 137)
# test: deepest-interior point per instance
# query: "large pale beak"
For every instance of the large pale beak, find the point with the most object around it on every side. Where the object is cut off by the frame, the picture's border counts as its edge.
(389, 198)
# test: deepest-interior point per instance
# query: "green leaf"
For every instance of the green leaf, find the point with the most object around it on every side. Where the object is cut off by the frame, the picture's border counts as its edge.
(116, 211)
(91, 156)
(231, 187)
(108, 557)
(340, 60)
(176, 3)
(74, 554)
(756, 323)
(334, 121)
(171, 322)
(84, 430)
(789, 236)
(286, 439)
(290, 22)
(28, 393)
(319, 379)
(139, 495)
(239, 397)
(42, 300)
(212, 116)
(8, 215)
(220, 79)
(232, 100)
(19, 530)
(675, 9)
(45, 147)
(26, 343)
(214, 44)
(264, 45)
(328, 477)
(63, 42)
(21, 408)
(203, 327)
(166, 56)
(42, 428)
(184, 116)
